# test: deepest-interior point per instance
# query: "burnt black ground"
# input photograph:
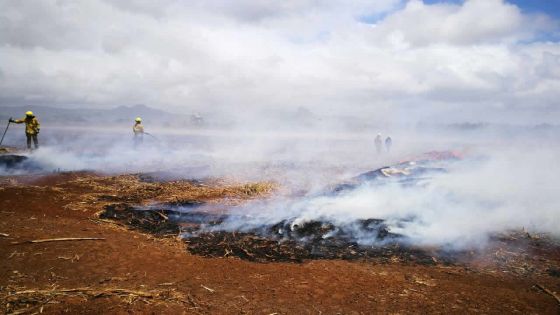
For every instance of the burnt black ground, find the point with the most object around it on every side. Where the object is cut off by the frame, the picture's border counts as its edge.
(502, 279)
(278, 242)
(12, 160)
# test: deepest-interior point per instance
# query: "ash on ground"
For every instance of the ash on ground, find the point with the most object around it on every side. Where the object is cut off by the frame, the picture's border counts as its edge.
(204, 227)
(205, 230)
(514, 252)
(283, 241)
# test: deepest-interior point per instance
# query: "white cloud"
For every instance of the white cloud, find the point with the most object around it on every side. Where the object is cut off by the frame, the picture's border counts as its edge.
(481, 55)
(474, 22)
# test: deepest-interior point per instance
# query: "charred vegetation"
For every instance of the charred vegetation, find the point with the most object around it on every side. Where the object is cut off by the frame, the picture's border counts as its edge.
(284, 241)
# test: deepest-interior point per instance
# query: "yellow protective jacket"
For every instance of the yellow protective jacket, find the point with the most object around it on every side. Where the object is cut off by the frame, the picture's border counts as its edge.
(138, 129)
(32, 125)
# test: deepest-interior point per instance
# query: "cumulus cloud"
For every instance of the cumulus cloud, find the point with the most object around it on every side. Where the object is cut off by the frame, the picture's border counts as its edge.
(486, 57)
(474, 22)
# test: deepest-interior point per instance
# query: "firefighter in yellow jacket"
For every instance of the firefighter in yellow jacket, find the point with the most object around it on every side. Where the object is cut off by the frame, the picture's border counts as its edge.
(138, 130)
(32, 128)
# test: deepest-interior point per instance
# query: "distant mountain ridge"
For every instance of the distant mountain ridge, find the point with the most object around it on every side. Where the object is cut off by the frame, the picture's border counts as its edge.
(120, 114)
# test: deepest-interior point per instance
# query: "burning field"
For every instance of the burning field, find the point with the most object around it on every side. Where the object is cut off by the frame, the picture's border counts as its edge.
(281, 242)
(279, 157)
(81, 242)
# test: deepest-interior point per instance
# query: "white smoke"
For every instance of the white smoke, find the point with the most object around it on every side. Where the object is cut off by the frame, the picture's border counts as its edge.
(461, 208)
(352, 67)
(507, 181)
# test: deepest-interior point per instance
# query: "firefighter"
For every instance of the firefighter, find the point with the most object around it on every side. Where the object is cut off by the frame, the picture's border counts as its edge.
(388, 144)
(138, 130)
(32, 128)
(378, 143)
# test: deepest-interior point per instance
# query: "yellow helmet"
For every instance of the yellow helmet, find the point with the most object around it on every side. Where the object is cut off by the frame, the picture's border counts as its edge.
(29, 113)
(138, 119)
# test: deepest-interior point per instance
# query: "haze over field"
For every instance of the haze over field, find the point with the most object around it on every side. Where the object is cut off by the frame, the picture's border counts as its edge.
(279, 156)
(295, 91)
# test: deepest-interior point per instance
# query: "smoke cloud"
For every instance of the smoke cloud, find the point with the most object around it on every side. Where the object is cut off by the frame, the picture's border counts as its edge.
(507, 180)
(462, 207)
(295, 92)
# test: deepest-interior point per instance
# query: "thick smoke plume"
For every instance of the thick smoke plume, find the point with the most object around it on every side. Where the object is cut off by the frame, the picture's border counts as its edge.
(503, 181)
(458, 208)
(294, 92)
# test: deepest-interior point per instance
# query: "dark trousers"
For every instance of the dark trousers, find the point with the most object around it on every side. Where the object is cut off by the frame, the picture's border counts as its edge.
(35, 141)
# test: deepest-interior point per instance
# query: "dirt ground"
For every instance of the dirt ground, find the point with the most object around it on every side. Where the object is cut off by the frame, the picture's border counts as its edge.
(126, 271)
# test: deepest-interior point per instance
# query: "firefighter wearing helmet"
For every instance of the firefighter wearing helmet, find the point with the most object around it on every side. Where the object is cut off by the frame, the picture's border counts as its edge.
(32, 128)
(138, 130)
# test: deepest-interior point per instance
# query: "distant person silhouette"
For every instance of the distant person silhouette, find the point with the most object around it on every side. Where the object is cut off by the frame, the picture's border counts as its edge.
(388, 144)
(378, 143)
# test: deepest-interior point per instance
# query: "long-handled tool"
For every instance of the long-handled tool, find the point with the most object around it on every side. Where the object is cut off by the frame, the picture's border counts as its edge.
(9, 122)
(151, 135)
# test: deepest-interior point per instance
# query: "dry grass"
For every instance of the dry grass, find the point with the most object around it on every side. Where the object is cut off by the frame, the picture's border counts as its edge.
(91, 193)
(20, 301)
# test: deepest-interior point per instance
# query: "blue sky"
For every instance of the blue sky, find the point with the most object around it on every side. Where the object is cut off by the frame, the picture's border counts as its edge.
(550, 7)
